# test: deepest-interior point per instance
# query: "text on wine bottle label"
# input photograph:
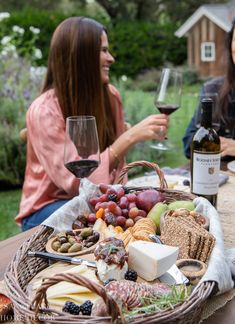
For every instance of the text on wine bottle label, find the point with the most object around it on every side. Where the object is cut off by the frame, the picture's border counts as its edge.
(206, 169)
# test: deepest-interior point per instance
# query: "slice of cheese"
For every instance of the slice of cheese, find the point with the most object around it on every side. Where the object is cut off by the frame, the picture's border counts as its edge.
(151, 260)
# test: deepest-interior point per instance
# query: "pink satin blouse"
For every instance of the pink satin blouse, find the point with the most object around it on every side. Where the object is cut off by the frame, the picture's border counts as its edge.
(46, 178)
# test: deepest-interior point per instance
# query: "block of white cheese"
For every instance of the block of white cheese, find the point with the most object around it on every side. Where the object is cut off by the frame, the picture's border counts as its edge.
(151, 260)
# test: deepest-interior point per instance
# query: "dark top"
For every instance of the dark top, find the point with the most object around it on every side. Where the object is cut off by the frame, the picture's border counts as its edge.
(210, 88)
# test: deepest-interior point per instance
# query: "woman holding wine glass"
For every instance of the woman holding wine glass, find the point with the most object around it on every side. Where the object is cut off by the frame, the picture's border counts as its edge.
(76, 84)
(224, 107)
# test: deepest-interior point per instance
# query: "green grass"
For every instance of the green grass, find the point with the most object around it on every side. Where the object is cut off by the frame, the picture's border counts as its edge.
(137, 105)
(9, 204)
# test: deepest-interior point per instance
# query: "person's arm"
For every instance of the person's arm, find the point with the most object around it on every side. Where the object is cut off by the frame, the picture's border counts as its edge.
(152, 127)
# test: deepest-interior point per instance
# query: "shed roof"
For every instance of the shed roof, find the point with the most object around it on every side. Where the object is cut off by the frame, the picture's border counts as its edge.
(220, 14)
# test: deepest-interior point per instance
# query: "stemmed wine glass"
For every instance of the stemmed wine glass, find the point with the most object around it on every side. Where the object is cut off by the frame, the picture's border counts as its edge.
(168, 97)
(81, 150)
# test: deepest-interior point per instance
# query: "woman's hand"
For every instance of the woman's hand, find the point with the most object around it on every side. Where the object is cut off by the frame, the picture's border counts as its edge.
(227, 146)
(152, 127)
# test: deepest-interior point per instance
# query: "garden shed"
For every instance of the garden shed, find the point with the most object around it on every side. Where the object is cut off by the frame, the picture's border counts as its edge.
(205, 31)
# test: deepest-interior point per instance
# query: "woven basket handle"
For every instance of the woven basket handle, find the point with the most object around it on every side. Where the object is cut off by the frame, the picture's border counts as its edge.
(112, 307)
(154, 166)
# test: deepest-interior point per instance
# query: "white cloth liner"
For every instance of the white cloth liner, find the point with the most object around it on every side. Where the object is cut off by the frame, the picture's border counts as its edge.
(219, 265)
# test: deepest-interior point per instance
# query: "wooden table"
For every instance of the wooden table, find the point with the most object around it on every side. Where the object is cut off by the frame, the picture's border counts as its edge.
(226, 208)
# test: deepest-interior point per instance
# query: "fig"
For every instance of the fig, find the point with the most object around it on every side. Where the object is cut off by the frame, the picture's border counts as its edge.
(148, 198)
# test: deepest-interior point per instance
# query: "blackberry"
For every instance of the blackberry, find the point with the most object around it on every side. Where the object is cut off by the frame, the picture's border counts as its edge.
(131, 275)
(86, 307)
(113, 197)
(108, 281)
(186, 182)
(72, 308)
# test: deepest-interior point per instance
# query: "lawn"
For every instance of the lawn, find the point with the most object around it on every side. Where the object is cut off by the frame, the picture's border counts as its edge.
(137, 105)
(9, 204)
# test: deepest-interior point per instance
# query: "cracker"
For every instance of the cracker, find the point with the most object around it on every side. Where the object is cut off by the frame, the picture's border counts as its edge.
(195, 239)
(207, 241)
(176, 235)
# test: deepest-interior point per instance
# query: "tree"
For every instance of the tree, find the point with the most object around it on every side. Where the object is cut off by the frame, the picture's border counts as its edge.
(176, 11)
(132, 9)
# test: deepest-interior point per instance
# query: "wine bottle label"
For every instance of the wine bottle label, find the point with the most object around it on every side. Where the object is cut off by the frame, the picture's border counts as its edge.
(206, 169)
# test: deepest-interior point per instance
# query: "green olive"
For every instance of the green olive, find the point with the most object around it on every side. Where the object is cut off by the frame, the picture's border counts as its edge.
(85, 232)
(71, 240)
(65, 247)
(56, 245)
(75, 248)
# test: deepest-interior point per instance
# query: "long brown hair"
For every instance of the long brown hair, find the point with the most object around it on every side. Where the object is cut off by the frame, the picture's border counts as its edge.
(228, 87)
(75, 75)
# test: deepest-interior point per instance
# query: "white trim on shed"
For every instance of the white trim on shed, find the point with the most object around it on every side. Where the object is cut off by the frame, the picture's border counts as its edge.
(198, 14)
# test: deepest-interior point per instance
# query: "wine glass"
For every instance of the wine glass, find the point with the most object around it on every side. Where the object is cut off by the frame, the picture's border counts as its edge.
(81, 150)
(168, 97)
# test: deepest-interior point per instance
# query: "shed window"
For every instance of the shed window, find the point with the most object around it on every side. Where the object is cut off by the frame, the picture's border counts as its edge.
(208, 51)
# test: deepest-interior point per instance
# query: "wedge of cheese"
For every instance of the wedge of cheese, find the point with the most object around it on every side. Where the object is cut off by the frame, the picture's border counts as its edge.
(64, 291)
(151, 260)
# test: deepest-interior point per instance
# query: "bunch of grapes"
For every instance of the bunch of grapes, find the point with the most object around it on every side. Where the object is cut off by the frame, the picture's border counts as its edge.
(116, 207)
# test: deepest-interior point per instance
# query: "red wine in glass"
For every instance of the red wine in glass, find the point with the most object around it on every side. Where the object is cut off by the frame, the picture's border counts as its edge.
(82, 168)
(167, 109)
(81, 151)
(168, 97)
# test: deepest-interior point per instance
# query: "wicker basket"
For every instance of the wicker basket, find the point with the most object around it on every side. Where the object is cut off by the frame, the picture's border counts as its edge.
(22, 269)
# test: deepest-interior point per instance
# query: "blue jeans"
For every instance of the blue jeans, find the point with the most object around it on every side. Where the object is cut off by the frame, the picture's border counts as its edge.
(40, 215)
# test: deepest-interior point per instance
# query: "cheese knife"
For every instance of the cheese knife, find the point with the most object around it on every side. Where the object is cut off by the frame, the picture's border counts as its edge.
(63, 258)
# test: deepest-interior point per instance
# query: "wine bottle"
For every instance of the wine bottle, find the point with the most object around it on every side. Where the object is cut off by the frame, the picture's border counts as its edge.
(205, 156)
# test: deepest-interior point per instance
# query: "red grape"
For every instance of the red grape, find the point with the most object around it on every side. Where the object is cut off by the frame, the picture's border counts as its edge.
(103, 204)
(125, 212)
(120, 192)
(111, 206)
(142, 213)
(111, 191)
(131, 197)
(118, 211)
(123, 203)
(133, 212)
(129, 222)
(97, 206)
(137, 218)
(103, 197)
(94, 200)
(121, 221)
(103, 187)
(131, 205)
(91, 218)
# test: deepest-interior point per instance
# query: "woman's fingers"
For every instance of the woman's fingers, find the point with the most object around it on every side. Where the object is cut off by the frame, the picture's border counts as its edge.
(227, 146)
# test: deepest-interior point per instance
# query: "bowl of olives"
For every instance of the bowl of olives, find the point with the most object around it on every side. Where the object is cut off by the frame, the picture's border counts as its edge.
(74, 242)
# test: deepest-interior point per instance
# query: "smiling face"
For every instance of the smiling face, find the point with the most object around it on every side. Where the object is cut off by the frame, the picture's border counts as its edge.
(106, 58)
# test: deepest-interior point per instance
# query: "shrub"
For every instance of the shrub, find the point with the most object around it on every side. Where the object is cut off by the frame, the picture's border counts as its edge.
(137, 45)
(141, 46)
(19, 85)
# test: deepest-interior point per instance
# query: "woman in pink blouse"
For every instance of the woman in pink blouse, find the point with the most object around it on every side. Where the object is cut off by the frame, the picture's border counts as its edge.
(76, 83)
